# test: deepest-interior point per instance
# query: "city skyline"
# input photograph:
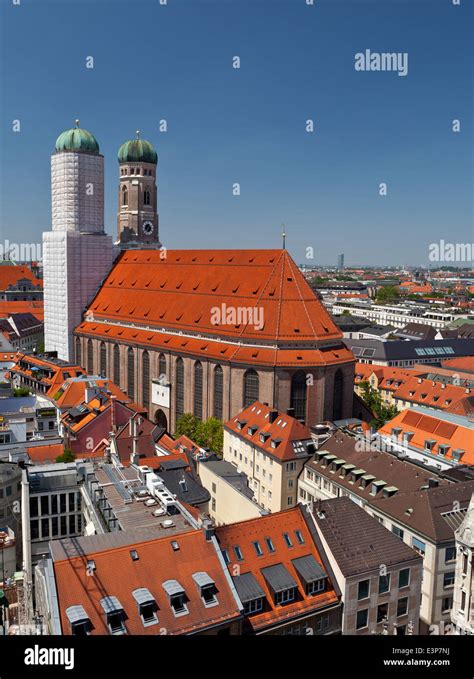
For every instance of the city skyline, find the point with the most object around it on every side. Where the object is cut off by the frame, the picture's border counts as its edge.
(247, 125)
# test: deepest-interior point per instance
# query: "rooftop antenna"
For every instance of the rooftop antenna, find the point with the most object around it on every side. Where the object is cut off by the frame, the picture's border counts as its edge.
(284, 236)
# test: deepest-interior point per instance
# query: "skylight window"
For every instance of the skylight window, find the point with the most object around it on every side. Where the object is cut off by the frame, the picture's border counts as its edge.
(287, 538)
(238, 553)
(258, 548)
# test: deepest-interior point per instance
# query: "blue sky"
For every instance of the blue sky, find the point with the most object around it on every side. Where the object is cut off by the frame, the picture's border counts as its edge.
(248, 125)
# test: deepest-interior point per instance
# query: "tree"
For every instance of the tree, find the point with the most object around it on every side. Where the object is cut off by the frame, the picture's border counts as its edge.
(188, 425)
(67, 456)
(208, 434)
(211, 434)
(383, 413)
(389, 293)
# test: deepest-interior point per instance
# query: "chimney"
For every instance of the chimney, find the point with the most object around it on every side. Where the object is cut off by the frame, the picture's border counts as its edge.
(113, 425)
(208, 529)
(272, 416)
(134, 457)
(290, 412)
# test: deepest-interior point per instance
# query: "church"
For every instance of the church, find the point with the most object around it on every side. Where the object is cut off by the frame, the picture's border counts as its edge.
(153, 323)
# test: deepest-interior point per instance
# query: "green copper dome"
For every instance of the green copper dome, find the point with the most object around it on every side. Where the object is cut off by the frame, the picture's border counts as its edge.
(137, 151)
(77, 139)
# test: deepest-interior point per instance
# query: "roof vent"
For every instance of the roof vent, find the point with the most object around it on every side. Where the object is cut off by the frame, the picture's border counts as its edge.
(273, 415)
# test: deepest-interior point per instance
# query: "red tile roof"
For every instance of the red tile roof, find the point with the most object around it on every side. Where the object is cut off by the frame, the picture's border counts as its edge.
(427, 392)
(179, 291)
(465, 364)
(454, 435)
(274, 526)
(117, 575)
(47, 453)
(285, 430)
(213, 349)
(35, 307)
(48, 373)
(10, 274)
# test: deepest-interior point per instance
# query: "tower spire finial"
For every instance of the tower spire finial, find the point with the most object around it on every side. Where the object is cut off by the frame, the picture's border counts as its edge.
(138, 134)
(284, 236)
(77, 121)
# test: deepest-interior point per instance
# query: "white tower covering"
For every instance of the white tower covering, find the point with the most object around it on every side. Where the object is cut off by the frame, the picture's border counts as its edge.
(77, 253)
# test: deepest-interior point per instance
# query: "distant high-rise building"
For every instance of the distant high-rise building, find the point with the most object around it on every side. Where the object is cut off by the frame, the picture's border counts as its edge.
(340, 261)
(77, 253)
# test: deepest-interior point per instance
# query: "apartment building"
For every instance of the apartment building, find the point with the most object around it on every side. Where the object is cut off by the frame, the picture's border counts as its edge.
(379, 576)
(270, 448)
(419, 508)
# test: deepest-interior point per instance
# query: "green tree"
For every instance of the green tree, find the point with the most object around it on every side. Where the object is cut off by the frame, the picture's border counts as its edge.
(371, 397)
(208, 434)
(389, 293)
(188, 425)
(67, 456)
(211, 435)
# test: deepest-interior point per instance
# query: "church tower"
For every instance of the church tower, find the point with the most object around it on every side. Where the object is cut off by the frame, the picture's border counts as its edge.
(77, 253)
(137, 219)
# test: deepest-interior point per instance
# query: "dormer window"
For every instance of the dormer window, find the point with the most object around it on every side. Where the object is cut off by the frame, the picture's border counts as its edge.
(263, 436)
(147, 606)
(177, 597)
(79, 621)
(251, 430)
(115, 614)
(206, 587)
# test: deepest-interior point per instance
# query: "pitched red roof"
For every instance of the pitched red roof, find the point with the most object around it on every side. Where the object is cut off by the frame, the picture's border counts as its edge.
(274, 526)
(47, 453)
(465, 364)
(429, 393)
(35, 307)
(285, 430)
(178, 292)
(116, 574)
(443, 432)
(10, 274)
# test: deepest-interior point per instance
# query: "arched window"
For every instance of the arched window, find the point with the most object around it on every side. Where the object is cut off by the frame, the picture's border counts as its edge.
(78, 351)
(117, 365)
(179, 386)
(162, 365)
(298, 395)
(218, 392)
(90, 357)
(131, 373)
(198, 389)
(146, 198)
(146, 379)
(338, 395)
(250, 387)
(124, 195)
(161, 420)
(103, 359)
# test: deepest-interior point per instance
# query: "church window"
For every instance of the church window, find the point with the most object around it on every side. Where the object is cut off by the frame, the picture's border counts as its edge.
(146, 379)
(218, 391)
(117, 365)
(130, 373)
(124, 195)
(198, 389)
(250, 387)
(179, 387)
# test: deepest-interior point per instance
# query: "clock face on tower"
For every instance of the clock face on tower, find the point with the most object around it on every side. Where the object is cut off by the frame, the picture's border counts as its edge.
(147, 228)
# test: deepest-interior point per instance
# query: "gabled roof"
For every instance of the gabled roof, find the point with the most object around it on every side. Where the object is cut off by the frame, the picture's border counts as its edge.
(284, 439)
(158, 561)
(358, 542)
(268, 573)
